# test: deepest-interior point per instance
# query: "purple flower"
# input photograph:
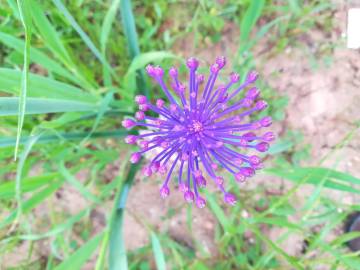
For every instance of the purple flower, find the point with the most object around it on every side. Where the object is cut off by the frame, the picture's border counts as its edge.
(201, 131)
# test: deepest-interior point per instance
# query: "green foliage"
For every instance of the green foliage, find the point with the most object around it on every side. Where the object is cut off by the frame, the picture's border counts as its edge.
(69, 71)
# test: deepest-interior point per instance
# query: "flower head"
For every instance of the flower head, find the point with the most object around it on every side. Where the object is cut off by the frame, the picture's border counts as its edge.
(200, 131)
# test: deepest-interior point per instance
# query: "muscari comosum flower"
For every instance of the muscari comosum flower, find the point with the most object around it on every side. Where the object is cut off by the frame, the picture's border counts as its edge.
(200, 132)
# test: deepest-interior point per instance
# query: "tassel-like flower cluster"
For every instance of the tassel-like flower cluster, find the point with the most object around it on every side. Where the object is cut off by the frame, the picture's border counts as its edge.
(199, 132)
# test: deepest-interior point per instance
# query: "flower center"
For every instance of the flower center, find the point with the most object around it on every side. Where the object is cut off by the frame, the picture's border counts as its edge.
(196, 126)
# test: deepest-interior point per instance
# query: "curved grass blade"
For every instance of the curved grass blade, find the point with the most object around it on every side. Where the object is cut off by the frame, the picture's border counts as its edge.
(83, 35)
(117, 251)
(39, 86)
(26, 22)
(46, 138)
(158, 252)
(9, 105)
(128, 23)
(105, 31)
(38, 57)
(80, 256)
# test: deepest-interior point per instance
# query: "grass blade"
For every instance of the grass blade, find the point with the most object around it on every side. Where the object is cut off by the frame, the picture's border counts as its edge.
(158, 252)
(40, 86)
(46, 138)
(128, 23)
(26, 22)
(80, 256)
(9, 105)
(105, 31)
(83, 35)
(117, 251)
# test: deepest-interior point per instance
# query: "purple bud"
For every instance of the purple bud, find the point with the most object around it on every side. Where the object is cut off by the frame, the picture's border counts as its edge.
(200, 78)
(266, 121)
(247, 102)
(234, 77)
(144, 107)
(192, 63)
(181, 88)
(261, 105)
(254, 160)
(158, 71)
(268, 136)
(146, 171)
(173, 72)
(128, 123)
(135, 157)
(144, 145)
(249, 136)
(253, 93)
(150, 70)
(221, 61)
(155, 166)
(130, 139)
(262, 147)
(173, 107)
(200, 202)
(140, 99)
(160, 103)
(214, 68)
(219, 180)
(252, 76)
(183, 187)
(162, 169)
(239, 177)
(189, 196)
(164, 192)
(200, 181)
(230, 198)
(247, 171)
(140, 115)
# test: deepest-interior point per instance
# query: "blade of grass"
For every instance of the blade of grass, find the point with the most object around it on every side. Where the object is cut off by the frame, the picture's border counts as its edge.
(117, 251)
(40, 86)
(38, 57)
(104, 36)
(6, 142)
(83, 35)
(32, 202)
(80, 256)
(26, 22)
(9, 105)
(76, 184)
(158, 252)
(52, 40)
(18, 190)
(128, 23)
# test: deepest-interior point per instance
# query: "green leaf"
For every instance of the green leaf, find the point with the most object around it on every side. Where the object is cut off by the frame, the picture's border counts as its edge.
(80, 256)
(141, 60)
(104, 36)
(60, 228)
(76, 184)
(7, 190)
(38, 57)
(158, 252)
(8, 106)
(128, 24)
(6, 142)
(83, 35)
(117, 250)
(40, 86)
(26, 22)
(31, 203)
(250, 18)
(334, 179)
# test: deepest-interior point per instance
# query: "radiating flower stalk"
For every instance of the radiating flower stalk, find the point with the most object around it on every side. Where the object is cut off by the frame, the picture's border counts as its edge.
(199, 132)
